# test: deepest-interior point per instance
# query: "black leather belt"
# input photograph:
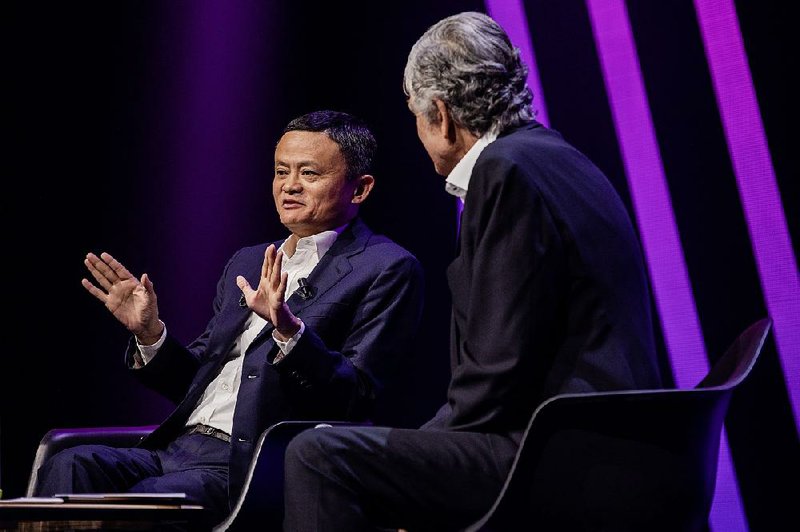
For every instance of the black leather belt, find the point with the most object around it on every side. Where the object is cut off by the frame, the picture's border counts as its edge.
(209, 431)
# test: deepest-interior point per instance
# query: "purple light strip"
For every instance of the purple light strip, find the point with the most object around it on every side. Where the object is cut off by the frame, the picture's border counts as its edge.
(727, 511)
(212, 88)
(651, 201)
(755, 177)
(510, 14)
(648, 187)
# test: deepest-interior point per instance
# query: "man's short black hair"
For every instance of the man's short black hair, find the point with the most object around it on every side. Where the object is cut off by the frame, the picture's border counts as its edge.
(354, 138)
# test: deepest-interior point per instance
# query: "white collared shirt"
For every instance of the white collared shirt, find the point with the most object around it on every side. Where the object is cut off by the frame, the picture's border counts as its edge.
(217, 405)
(457, 182)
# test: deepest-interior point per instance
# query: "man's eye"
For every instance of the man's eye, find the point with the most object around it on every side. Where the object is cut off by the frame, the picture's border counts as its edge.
(308, 173)
(281, 172)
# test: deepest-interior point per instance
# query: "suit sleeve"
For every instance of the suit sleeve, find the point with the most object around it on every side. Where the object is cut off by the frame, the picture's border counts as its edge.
(507, 296)
(343, 383)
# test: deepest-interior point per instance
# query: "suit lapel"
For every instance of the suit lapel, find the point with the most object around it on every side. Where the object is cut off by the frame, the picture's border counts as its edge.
(330, 270)
(333, 266)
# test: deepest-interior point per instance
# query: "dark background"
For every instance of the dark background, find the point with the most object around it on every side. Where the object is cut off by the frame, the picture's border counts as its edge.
(146, 129)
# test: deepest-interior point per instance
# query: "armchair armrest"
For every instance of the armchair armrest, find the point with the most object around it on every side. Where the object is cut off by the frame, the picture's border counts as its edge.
(58, 439)
(261, 501)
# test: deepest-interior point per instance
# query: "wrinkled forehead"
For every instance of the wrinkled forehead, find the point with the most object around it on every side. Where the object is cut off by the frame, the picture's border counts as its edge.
(308, 146)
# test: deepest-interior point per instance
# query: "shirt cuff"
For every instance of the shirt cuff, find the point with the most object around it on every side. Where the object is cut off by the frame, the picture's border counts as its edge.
(288, 345)
(147, 352)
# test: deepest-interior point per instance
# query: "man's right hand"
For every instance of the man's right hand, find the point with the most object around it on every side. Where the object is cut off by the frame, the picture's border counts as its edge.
(268, 300)
(132, 301)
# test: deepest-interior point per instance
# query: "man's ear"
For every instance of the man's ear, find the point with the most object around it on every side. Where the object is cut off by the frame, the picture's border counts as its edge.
(447, 128)
(364, 184)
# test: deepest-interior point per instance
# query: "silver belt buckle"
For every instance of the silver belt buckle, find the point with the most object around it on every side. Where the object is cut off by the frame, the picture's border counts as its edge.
(208, 431)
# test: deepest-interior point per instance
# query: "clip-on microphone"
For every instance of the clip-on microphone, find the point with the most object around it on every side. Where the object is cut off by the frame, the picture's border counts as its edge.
(304, 290)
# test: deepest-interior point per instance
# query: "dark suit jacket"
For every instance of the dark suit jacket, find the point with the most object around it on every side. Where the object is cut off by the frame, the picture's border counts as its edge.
(360, 323)
(549, 288)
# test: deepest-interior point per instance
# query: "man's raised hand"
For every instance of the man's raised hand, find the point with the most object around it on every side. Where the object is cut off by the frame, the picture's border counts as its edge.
(132, 301)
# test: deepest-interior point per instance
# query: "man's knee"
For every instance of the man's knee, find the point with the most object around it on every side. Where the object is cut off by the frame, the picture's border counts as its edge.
(335, 451)
(309, 449)
(65, 458)
(57, 472)
(74, 460)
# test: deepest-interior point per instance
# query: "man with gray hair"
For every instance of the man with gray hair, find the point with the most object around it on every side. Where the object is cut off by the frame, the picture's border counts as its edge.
(549, 296)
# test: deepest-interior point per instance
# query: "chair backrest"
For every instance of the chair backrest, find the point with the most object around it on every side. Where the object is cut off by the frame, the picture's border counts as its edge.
(732, 368)
(260, 505)
(624, 461)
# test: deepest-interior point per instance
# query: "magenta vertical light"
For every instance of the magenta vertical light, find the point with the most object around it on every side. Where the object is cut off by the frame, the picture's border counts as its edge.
(653, 208)
(219, 59)
(648, 187)
(755, 178)
(510, 14)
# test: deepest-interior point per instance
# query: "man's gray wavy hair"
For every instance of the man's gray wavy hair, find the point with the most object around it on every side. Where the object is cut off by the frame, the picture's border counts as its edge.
(468, 62)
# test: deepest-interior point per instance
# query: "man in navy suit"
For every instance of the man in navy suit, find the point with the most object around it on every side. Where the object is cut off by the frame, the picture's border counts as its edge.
(549, 295)
(309, 328)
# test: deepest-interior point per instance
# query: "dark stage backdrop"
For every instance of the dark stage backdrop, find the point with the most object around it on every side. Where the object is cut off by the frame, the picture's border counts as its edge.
(146, 129)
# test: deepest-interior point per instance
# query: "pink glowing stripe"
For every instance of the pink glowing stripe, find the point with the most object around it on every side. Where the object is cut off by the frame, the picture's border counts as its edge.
(648, 188)
(510, 14)
(755, 177)
(651, 201)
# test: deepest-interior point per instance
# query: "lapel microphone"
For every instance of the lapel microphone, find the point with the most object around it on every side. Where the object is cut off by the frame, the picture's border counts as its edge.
(304, 290)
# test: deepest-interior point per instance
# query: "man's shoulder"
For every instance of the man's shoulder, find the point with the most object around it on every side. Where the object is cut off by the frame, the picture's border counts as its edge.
(377, 252)
(377, 243)
(253, 252)
(531, 149)
(532, 136)
(381, 248)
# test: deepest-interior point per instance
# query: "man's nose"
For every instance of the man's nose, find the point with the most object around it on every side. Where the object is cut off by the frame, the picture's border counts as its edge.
(292, 184)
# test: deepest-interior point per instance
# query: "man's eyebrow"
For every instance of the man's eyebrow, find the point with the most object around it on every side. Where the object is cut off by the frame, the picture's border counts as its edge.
(309, 162)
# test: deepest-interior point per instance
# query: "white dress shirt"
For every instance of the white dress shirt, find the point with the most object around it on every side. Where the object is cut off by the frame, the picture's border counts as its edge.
(217, 405)
(457, 182)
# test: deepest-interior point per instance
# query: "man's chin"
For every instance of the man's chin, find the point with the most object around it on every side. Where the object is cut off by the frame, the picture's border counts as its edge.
(291, 219)
(296, 228)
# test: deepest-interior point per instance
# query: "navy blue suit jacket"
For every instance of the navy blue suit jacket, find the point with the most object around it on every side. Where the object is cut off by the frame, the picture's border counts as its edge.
(360, 322)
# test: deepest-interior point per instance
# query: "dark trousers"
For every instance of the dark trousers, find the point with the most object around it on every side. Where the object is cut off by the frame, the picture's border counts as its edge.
(369, 478)
(194, 464)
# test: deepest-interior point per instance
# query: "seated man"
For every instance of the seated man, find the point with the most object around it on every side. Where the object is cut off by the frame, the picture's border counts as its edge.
(308, 328)
(549, 295)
